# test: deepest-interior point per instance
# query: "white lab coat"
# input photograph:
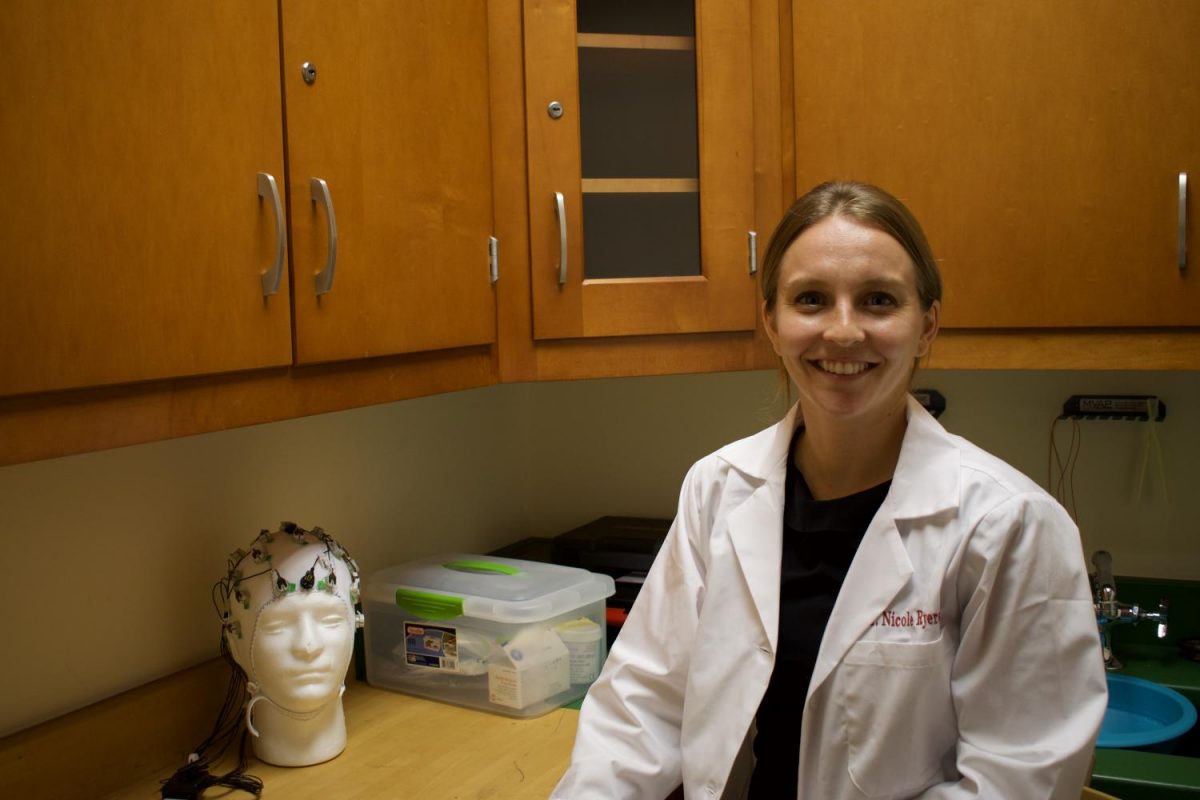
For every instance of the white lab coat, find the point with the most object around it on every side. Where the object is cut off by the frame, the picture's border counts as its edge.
(961, 658)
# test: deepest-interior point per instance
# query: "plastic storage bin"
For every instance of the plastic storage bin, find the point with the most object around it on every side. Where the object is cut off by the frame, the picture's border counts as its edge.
(514, 637)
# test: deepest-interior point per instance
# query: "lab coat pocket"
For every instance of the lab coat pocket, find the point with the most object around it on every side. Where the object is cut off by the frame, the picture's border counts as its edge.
(898, 714)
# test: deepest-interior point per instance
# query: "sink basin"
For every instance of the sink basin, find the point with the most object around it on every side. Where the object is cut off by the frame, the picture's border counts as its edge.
(1142, 713)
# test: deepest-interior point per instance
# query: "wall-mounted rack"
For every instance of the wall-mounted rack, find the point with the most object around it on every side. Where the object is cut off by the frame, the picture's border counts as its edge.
(1136, 407)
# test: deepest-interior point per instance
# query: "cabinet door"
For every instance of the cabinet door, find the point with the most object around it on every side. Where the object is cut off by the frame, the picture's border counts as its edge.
(395, 122)
(640, 137)
(133, 234)
(1040, 143)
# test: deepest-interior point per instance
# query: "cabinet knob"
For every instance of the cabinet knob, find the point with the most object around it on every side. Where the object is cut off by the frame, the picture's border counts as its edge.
(308, 71)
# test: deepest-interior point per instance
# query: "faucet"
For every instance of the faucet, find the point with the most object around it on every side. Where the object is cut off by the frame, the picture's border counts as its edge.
(1110, 612)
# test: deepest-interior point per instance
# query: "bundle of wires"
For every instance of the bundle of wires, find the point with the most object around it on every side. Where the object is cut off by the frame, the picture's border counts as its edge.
(1062, 486)
(190, 781)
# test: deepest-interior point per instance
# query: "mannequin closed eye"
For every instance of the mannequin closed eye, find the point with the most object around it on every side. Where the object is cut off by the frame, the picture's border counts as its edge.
(284, 616)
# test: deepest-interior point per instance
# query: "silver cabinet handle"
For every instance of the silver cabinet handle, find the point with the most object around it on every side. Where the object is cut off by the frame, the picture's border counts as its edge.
(1183, 222)
(753, 238)
(268, 188)
(560, 204)
(319, 190)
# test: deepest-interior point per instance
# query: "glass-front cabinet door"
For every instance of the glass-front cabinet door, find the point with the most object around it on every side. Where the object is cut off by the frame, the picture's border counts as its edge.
(641, 187)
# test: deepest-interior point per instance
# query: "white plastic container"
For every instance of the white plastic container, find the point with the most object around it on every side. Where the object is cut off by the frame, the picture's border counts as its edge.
(514, 637)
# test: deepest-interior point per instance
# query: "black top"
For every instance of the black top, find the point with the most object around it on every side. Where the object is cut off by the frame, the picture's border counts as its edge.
(820, 538)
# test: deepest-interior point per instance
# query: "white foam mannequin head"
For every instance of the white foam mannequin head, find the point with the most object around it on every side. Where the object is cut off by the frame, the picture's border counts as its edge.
(290, 626)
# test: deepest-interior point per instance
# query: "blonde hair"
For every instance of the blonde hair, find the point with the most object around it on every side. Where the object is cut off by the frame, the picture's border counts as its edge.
(866, 204)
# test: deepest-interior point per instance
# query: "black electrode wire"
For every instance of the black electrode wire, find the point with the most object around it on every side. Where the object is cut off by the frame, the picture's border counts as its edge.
(191, 779)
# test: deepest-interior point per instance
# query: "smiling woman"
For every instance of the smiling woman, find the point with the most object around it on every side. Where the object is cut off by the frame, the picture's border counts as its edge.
(849, 604)
(848, 325)
(850, 307)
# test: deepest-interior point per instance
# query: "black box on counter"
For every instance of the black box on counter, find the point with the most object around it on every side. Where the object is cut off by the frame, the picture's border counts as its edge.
(614, 546)
(621, 547)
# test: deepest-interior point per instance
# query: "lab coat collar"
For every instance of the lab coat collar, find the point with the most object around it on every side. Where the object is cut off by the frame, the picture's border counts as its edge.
(926, 478)
(755, 526)
(926, 481)
(764, 454)
(925, 484)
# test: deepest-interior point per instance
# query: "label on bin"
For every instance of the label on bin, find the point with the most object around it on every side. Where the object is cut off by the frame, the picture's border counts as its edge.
(431, 646)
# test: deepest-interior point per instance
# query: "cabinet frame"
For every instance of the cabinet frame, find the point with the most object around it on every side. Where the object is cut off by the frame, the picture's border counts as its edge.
(722, 297)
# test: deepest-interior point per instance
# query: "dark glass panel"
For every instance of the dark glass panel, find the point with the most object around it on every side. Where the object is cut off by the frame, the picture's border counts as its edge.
(641, 235)
(647, 17)
(637, 115)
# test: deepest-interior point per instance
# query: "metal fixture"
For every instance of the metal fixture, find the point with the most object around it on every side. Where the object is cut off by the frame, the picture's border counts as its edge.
(319, 190)
(494, 258)
(308, 71)
(1183, 221)
(269, 189)
(555, 109)
(1137, 407)
(1109, 612)
(753, 237)
(561, 207)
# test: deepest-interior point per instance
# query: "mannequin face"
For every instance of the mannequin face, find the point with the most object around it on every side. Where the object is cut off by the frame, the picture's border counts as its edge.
(301, 649)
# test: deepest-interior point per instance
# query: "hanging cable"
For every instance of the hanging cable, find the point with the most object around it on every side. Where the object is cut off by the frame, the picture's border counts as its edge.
(1062, 484)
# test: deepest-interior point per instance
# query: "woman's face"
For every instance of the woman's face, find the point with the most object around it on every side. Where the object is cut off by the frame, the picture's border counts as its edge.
(301, 649)
(848, 322)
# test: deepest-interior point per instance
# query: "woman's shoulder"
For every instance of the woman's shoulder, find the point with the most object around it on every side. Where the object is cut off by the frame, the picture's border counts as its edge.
(988, 482)
(981, 465)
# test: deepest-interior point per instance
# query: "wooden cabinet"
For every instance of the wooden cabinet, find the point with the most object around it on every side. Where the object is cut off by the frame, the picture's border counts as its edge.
(133, 234)
(1040, 143)
(135, 141)
(641, 167)
(1041, 146)
(395, 122)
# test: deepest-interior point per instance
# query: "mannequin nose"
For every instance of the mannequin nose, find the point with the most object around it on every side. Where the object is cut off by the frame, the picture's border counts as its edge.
(307, 644)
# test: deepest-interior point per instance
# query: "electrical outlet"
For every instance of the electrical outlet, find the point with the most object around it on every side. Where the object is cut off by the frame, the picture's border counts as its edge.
(932, 399)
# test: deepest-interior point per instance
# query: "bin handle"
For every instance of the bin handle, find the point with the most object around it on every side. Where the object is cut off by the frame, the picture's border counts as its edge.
(482, 566)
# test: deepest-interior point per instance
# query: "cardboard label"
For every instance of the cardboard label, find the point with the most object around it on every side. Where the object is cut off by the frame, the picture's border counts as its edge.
(430, 646)
(535, 665)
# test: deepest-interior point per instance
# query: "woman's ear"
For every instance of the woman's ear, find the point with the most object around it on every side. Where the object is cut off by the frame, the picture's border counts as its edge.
(768, 318)
(929, 329)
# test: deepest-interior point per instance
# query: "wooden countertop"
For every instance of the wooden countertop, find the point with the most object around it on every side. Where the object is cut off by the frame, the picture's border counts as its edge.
(402, 747)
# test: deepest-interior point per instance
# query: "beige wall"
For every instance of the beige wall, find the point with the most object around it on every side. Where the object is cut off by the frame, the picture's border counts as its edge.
(111, 556)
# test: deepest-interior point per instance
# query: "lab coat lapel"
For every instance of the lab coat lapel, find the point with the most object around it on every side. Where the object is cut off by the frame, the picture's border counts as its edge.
(925, 483)
(757, 540)
(879, 571)
(756, 526)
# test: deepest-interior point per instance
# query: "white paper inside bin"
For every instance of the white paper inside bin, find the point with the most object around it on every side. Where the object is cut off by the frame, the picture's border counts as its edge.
(535, 665)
